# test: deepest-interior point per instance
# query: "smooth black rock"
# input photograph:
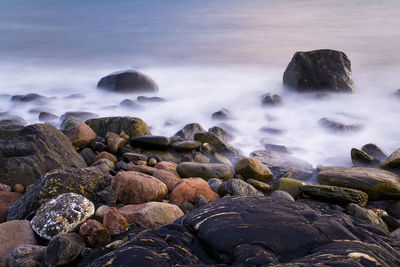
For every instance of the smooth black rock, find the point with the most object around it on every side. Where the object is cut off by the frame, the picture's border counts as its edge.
(29, 98)
(127, 103)
(319, 70)
(150, 142)
(88, 155)
(222, 114)
(128, 81)
(374, 151)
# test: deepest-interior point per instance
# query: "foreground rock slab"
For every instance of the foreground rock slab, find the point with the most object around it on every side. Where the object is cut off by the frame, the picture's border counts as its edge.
(378, 184)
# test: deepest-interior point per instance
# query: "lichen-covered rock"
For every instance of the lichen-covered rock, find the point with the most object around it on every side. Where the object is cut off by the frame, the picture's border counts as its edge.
(81, 136)
(292, 186)
(365, 214)
(35, 150)
(187, 132)
(27, 256)
(130, 125)
(335, 194)
(237, 187)
(13, 234)
(360, 158)
(319, 70)
(85, 181)
(63, 249)
(133, 187)
(61, 214)
(188, 189)
(128, 81)
(221, 133)
(95, 233)
(392, 162)
(251, 168)
(151, 215)
(6, 200)
(378, 184)
(260, 186)
(205, 170)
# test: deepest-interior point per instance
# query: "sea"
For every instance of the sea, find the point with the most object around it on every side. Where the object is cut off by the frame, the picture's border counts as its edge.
(207, 55)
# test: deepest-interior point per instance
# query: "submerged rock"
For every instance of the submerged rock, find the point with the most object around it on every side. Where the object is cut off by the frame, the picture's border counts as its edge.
(271, 99)
(222, 114)
(128, 81)
(338, 126)
(319, 70)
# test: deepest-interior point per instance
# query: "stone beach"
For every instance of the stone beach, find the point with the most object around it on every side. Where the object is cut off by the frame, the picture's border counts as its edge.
(105, 191)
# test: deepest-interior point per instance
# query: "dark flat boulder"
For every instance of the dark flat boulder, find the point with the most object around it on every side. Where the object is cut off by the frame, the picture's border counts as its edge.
(128, 81)
(130, 125)
(33, 151)
(151, 142)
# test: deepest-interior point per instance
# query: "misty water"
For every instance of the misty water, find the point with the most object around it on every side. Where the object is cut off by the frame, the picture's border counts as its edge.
(208, 55)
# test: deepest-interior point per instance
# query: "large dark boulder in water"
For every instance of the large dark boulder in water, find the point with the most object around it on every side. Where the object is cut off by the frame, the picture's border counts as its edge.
(128, 81)
(35, 150)
(319, 70)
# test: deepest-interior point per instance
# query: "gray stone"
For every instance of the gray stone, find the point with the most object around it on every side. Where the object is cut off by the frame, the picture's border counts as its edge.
(204, 170)
(27, 256)
(237, 187)
(63, 249)
(187, 132)
(128, 81)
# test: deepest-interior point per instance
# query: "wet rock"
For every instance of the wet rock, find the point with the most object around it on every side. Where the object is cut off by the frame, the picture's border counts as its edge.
(115, 144)
(335, 194)
(289, 185)
(82, 115)
(188, 189)
(214, 183)
(204, 170)
(128, 81)
(6, 200)
(19, 188)
(260, 186)
(271, 99)
(9, 128)
(88, 155)
(61, 214)
(130, 125)
(220, 158)
(271, 130)
(136, 188)
(200, 201)
(237, 187)
(278, 148)
(168, 178)
(30, 98)
(187, 145)
(284, 165)
(338, 126)
(104, 165)
(106, 196)
(394, 209)
(167, 166)
(365, 214)
(246, 254)
(127, 103)
(115, 222)
(187, 207)
(200, 158)
(133, 157)
(46, 116)
(281, 195)
(151, 142)
(5, 117)
(85, 181)
(81, 136)
(95, 233)
(27, 256)
(392, 162)
(151, 215)
(188, 132)
(154, 99)
(13, 234)
(101, 211)
(106, 155)
(374, 151)
(222, 114)
(360, 158)
(319, 70)
(251, 168)
(63, 249)
(35, 150)
(220, 146)
(221, 133)
(378, 184)
(70, 122)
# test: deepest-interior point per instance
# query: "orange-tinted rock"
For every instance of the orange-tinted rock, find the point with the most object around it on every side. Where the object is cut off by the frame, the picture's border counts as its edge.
(81, 136)
(167, 166)
(115, 144)
(251, 168)
(151, 215)
(136, 188)
(188, 189)
(104, 165)
(95, 233)
(19, 188)
(115, 222)
(106, 155)
(6, 200)
(167, 178)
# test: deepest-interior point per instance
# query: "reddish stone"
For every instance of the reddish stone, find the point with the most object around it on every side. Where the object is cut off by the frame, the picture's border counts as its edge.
(188, 189)
(167, 166)
(81, 136)
(106, 155)
(167, 178)
(115, 222)
(95, 233)
(6, 200)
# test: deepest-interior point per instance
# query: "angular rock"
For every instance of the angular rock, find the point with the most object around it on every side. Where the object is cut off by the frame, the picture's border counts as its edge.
(335, 194)
(27, 256)
(130, 125)
(136, 188)
(284, 165)
(187, 132)
(169, 179)
(61, 214)
(222, 114)
(214, 183)
(13, 234)
(188, 189)
(128, 81)
(35, 150)
(319, 70)
(150, 142)
(221, 133)
(374, 151)
(95, 233)
(115, 222)
(237, 187)
(187, 145)
(392, 162)
(85, 181)
(6, 200)
(63, 249)
(271, 99)
(292, 186)
(360, 158)
(151, 215)
(378, 184)
(204, 170)
(338, 126)
(365, 214)
(251, 168)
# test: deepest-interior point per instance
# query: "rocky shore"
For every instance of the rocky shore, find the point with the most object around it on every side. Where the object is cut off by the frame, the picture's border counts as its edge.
(107, 192)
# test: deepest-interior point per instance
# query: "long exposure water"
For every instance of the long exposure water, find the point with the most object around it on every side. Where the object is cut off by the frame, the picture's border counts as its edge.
(208, 55)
